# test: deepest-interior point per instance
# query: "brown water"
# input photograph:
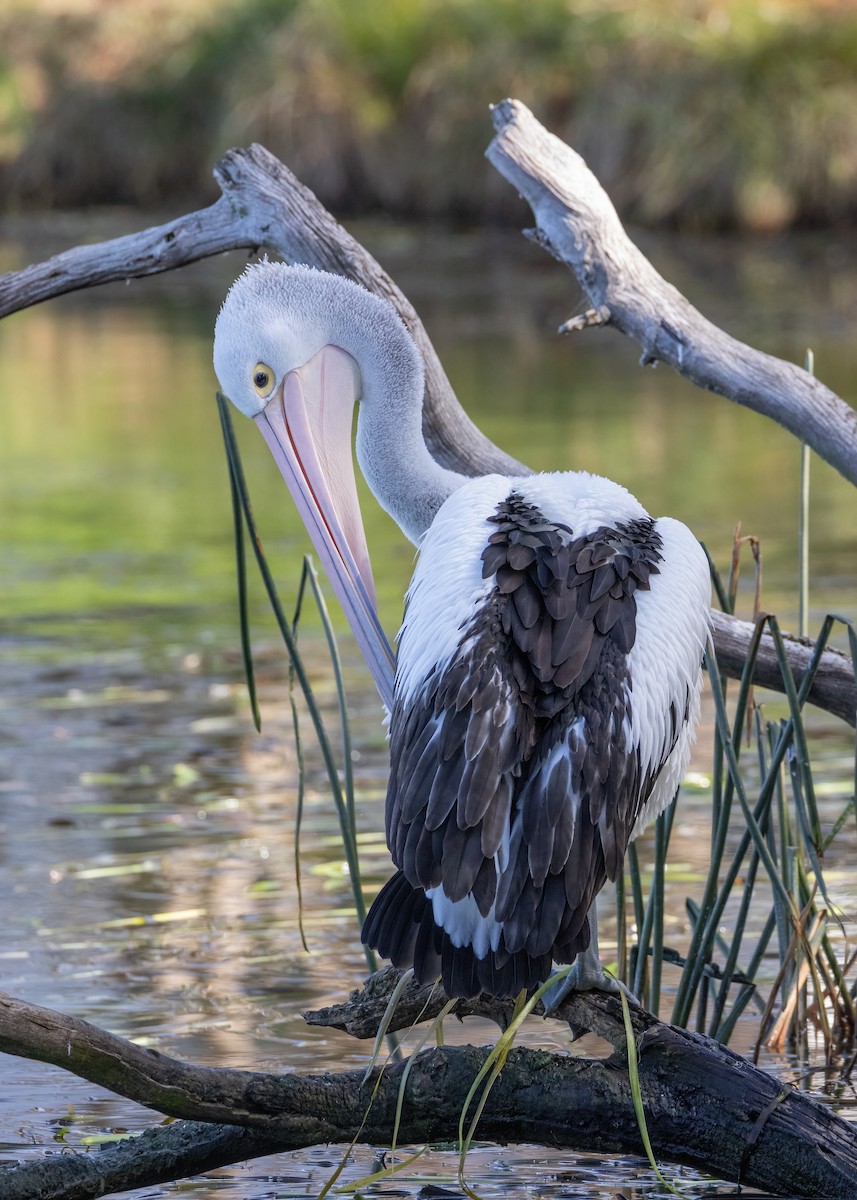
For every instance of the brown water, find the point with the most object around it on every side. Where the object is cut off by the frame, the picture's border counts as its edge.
(146, 831)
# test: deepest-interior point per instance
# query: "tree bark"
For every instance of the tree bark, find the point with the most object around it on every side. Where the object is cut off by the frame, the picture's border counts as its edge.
(263, 205)
(705, 1106)
(159, 1155)
(833, 689)
(578, 225)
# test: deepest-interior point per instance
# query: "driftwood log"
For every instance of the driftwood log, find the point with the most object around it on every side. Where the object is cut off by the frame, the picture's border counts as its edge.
(264, 207)
(706, 1106)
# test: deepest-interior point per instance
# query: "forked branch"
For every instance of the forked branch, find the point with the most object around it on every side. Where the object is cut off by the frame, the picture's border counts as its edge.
(703, 1101)
(264, 206)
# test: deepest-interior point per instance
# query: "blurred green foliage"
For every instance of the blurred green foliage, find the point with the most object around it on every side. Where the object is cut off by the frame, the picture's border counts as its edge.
(704, 114)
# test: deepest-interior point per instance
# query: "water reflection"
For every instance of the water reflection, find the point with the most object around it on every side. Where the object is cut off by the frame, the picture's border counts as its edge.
(146, 832)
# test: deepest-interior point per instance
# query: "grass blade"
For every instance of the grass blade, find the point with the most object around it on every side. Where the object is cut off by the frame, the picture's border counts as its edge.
(240, 568)
(803, 525)
(632, 859)
(748, 992)
(300, 671)
(717, 581)
(421, 1041)
(299, 805)
(385, 1173)
(333, 648)
(389, 1011)
(637, 1094)
(753, 826)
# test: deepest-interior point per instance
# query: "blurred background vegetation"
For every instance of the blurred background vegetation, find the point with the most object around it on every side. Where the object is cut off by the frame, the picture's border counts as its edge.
(705, 114)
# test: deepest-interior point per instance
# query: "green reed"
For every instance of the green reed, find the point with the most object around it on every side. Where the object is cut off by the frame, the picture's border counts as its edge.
(767, 860)
(342, 792)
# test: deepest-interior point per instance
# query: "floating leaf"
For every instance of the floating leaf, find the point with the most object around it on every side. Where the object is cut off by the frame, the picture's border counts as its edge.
(184, 774)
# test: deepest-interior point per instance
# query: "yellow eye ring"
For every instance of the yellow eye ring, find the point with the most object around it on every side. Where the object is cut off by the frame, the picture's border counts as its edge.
(263, 379)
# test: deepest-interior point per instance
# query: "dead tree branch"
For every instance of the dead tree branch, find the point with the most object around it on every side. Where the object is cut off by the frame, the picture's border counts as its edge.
(834, 688)
(703, 1101)
(577, 223)
(159, 1155)
(263, 205)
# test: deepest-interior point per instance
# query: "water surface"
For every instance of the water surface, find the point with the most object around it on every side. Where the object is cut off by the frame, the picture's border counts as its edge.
(146, 831)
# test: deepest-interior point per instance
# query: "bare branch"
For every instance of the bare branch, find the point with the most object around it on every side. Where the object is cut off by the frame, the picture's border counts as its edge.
(578, 224)
(159, 1155)
(834, 688)
(264, 205)
(150, 252)
(361, 1014)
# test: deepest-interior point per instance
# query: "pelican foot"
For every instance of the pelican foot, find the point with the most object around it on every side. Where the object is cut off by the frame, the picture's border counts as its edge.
(576, 981)
(586, 975)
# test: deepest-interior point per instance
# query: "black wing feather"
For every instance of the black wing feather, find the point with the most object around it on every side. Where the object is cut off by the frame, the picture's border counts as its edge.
(510, 781)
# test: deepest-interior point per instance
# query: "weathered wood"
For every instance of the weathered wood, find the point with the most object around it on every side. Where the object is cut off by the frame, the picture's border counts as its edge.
(702, 1101)
(834, 687)
(697, 1093)
(159, 1155)
(264, 205)
(578, 225)
(361, 1014)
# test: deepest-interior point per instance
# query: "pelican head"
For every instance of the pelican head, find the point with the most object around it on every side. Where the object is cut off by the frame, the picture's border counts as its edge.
(295, 349)
(276, 318)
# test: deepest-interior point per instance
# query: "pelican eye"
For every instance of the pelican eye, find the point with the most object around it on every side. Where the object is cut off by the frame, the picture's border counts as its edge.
(263, 378)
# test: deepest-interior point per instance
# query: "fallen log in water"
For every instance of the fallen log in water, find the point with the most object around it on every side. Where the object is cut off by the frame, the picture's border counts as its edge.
(705, 1106)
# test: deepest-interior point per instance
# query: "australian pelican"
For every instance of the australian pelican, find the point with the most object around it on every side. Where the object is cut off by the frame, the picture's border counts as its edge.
(546, 692)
